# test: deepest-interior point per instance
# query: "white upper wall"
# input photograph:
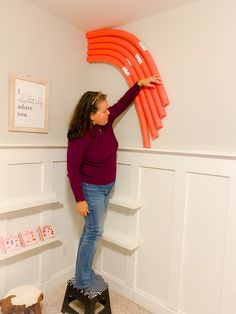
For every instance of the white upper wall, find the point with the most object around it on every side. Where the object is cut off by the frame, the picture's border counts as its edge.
(92, 14)
(194, 48)
(35, 43)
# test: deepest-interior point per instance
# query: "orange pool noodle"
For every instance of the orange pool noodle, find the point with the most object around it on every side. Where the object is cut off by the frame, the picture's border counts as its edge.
(141, 64)
(142, 49)
(138, 106)
(152, 115)
(120, 66)
(156, 113)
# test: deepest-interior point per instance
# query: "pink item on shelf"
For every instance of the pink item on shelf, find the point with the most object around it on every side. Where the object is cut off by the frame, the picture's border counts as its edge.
(46, 232)
(10, 243)
(29, 237)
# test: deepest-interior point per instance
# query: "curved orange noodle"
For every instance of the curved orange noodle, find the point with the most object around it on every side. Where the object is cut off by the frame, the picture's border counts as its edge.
(138, 105)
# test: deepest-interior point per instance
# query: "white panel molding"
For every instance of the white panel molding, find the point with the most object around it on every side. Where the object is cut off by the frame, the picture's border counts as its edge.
(204, 154)
(201, 165)
(133, 225)
(182, 164)
(28, 146)
(4, 180)
(47, 173)
(3, 219)
(228, 304)
(129, 240)
(177, 240)
(23, 204)
(3, 280)
(45, 266)
(204, 242)
(218, 165)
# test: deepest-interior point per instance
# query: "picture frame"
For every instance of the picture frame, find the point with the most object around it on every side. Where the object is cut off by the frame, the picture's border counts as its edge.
(28, 104)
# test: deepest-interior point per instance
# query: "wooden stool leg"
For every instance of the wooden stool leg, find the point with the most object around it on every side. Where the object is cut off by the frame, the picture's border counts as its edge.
(105, 301)
(69, 297)
(37, 308)
(89, 308)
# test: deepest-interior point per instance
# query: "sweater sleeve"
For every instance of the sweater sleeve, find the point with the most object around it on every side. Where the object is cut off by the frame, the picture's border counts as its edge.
(75, 154)
(124, 102)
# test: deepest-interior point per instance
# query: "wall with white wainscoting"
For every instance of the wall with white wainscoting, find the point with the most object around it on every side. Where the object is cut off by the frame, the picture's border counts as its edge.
(33, 192)
(185, 262)
(185, 227)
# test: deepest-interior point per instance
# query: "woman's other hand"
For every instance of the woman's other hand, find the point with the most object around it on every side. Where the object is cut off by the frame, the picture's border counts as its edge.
(82, 208)
(150, 81)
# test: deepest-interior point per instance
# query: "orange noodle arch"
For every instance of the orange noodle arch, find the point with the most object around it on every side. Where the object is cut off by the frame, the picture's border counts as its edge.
(151, 115)
(111, 49)
(140, 46)
(127, 53)
(139, 105)
(142, 65)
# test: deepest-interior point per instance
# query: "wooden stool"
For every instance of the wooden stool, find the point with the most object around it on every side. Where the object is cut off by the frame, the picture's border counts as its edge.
(72, 293)
(23, 299)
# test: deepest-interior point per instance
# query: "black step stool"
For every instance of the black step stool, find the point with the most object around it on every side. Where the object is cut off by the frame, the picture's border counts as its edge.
(72, 293)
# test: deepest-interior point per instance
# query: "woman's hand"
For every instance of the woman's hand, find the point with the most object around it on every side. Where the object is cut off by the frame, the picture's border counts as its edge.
(82, 208)
(150, 81)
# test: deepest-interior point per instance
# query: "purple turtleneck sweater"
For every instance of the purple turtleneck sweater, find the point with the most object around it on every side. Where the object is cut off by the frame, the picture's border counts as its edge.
(92, 157)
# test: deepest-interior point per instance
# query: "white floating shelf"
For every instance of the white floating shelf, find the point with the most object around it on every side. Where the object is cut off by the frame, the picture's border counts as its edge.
(23, 202)
(121, 239)
(126, 201)
(28, 248)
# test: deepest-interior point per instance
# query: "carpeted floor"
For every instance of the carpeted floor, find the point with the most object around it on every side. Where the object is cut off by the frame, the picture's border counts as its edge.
(53, 301)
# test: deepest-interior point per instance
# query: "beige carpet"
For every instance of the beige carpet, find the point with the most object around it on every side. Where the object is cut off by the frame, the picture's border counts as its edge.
(53, 301)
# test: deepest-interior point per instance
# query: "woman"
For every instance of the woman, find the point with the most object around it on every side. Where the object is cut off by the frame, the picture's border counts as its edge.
(91, 166)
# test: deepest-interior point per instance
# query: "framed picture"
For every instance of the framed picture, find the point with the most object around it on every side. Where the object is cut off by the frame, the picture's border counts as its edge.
(28, 104)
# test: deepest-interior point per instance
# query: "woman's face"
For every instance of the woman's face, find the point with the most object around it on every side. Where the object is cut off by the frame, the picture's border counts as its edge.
(102, 114)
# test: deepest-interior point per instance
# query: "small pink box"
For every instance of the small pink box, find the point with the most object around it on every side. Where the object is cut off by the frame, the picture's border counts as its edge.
(10, 243)
(29, 237)
(46, 232)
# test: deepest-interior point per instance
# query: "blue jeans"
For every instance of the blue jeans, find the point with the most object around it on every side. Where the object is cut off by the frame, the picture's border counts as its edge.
(97, 197)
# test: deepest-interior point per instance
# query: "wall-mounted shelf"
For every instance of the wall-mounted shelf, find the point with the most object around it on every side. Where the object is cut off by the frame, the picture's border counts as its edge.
(29, 248)
(23, 202)
(121, 239)
(126, 201)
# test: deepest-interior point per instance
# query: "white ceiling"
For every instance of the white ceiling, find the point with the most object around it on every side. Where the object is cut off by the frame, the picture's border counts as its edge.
(93, 14)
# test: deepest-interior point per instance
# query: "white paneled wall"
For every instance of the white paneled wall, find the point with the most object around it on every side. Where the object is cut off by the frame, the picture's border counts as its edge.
(28, 173)
(186, 227)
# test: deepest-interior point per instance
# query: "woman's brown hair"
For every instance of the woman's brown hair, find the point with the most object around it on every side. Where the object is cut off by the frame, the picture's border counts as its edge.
(80, 120)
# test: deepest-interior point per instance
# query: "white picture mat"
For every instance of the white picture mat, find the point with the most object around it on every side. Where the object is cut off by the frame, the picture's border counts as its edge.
(28, 104)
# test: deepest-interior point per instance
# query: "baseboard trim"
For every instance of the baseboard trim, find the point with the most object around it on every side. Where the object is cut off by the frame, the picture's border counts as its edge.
(57, 279)
(139, 297)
